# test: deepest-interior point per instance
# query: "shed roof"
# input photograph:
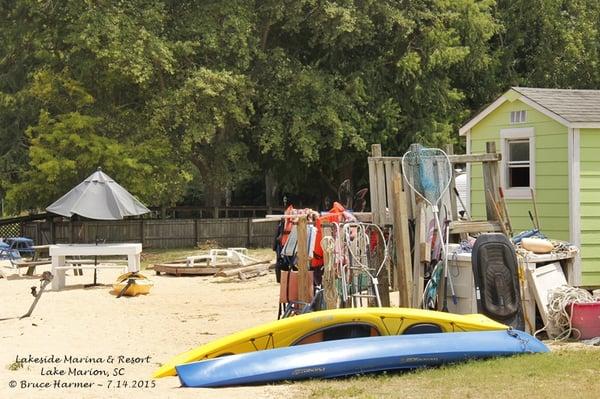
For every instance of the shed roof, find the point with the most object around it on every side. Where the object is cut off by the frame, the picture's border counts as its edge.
(572, 107)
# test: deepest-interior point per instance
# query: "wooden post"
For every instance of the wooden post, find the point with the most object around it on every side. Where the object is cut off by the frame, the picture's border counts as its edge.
(403, 273)
(418, 272)
(380, 186)
(196, 232)
(142, 232)
(52, 232)
(491, 182)
(453, 206)
(373, 201)
(383, 279)
(249, 232)
(304, 283)
(388, 167)
(376, 186)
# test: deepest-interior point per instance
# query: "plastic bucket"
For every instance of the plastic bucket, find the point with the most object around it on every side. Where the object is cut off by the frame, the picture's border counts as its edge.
(585, 317)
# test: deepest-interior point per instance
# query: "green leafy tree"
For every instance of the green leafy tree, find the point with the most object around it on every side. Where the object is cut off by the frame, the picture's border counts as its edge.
(548, 43)
(235, 91)
(84, 72)
(339, 76)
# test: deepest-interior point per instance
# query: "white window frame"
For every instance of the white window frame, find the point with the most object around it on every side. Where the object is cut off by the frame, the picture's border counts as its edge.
(507, 135)
(517, 117)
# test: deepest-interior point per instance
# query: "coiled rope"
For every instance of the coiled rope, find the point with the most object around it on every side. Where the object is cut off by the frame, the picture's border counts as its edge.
(329, 273)
(559, 300)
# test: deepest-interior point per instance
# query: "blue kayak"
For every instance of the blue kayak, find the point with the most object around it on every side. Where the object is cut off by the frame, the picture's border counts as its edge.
(355, 356)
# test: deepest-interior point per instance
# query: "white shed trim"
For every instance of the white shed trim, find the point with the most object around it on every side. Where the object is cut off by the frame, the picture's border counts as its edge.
(489, 109)
(585, 125)
(574, 200)
(468, 199)
(503, 98)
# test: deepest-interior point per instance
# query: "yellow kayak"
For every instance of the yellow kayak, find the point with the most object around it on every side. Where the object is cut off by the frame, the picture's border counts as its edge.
(329, 325)
(138, 284)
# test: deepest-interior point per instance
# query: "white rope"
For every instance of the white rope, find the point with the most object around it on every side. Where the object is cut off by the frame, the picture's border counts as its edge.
(340, 262)
(559, 300)
(329, 273)
(358, 246)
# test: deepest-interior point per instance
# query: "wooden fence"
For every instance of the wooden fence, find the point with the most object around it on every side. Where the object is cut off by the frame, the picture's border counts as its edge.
(169, 233)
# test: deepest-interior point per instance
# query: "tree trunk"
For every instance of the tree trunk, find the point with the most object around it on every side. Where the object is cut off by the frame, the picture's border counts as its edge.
(270, 190)
(213, 193)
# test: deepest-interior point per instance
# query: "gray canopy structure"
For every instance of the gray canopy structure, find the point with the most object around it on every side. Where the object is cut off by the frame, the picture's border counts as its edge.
(98, 197)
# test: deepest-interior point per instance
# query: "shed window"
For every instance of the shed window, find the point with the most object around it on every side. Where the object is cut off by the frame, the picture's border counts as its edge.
(518, 163)
(518, 116)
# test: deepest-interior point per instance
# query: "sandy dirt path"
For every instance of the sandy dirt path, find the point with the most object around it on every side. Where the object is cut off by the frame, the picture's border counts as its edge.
(179, 314)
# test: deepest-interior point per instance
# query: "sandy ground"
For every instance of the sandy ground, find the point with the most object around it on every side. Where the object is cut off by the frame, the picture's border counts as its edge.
(179, 314)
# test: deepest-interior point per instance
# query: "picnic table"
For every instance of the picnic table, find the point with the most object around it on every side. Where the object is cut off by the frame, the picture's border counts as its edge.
(37, 255)
(60, 252)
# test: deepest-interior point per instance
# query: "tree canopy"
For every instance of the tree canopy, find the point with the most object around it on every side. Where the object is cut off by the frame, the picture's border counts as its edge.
(172, 98)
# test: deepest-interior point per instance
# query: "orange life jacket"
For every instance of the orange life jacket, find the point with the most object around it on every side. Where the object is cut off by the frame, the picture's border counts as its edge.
(287, 225)
(335, 215)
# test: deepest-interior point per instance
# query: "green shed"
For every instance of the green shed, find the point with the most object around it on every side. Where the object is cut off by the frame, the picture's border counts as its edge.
(550, 142)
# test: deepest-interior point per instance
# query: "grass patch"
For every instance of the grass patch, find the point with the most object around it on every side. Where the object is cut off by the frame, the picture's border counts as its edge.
(567, 373)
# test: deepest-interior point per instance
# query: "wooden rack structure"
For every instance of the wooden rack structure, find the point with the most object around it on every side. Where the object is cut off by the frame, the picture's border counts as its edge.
(394, 206)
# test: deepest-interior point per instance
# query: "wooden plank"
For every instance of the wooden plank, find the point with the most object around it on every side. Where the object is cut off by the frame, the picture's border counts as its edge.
(418, 272)
(24, 263)
(373, 191)
(304, 282)
(265, 265)
(464, 158)
(379, 188)
(381, 193)
(383, 280)
(397, 169)
(412, 200)
(179, 270)
(498, 215)
(452, 187)
(474, 226)
(474, 158)
(387, 168)
(391, 271)
(403, 270)
(491, 182)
